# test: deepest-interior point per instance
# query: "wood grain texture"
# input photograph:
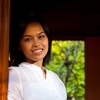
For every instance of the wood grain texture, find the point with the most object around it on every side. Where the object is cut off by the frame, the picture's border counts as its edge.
(4, 46)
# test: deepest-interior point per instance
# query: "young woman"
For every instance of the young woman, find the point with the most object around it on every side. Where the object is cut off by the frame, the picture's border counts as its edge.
(30, 51)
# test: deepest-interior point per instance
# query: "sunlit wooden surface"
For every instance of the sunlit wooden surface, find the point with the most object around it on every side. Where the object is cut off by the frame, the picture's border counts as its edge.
(4, 46)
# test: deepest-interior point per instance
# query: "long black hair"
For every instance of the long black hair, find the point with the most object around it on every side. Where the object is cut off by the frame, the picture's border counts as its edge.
(16, 56)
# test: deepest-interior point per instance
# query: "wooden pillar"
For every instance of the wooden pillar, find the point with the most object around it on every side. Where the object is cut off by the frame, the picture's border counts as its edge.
(4, 46)
(92, 52)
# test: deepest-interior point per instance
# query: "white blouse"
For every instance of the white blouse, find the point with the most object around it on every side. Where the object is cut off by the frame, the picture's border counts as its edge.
(26, 82)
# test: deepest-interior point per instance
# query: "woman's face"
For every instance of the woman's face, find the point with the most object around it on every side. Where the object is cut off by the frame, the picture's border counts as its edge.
(34, 43)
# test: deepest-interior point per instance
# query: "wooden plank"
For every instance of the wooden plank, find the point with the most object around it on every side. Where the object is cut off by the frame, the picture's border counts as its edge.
(4, 46)
(92, 66)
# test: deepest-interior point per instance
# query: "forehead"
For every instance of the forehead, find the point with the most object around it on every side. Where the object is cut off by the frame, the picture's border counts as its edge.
(34, 27)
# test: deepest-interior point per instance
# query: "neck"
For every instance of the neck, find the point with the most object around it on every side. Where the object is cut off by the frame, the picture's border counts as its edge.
(37, 63)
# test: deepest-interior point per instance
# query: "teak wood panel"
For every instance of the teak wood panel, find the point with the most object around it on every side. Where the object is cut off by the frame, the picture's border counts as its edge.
(4, 46)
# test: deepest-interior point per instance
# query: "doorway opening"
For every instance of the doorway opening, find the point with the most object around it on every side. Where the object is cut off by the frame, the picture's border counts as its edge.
(68, 61)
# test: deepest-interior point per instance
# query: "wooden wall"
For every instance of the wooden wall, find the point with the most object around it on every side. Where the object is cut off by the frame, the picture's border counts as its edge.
(92, 68)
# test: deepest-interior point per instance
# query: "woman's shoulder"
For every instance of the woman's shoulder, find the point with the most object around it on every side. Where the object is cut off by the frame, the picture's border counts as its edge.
(13, 71)
(52, 72)
(54, 75)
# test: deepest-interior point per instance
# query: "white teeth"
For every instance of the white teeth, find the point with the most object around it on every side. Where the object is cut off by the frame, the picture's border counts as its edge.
(37, 50)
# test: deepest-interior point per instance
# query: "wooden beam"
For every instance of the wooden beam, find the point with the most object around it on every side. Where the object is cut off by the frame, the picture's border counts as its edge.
(4, 46)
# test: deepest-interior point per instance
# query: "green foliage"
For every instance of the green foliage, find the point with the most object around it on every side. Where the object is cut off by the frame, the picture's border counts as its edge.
(68, 62)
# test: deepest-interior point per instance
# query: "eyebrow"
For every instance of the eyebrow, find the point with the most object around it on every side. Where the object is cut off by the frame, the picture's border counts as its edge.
(31, 36)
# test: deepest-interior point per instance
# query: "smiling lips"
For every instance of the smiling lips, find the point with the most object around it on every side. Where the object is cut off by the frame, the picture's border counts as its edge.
(38, 51)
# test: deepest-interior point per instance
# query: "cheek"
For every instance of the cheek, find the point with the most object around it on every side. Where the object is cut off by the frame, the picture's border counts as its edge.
(24, 47)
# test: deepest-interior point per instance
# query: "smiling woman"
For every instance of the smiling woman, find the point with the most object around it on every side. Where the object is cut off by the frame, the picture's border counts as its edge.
(29, 53)
(34, 43)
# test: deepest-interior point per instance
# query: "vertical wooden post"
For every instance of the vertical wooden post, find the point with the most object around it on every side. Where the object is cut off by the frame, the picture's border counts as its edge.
(92, 52)
(4, 46)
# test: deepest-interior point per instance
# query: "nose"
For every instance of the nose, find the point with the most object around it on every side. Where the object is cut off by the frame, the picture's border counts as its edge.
(36, 43)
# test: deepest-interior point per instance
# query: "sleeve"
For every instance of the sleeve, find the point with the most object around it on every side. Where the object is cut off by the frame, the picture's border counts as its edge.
(14, 85)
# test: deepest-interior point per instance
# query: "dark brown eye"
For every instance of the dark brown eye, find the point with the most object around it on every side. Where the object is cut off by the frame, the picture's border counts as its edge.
(41, 36)
(28, 39)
